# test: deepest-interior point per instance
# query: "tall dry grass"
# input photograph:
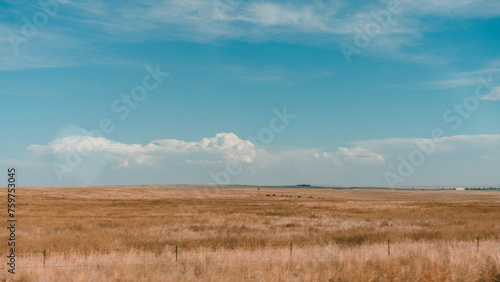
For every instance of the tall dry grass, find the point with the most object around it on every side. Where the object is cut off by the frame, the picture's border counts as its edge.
(129, 233)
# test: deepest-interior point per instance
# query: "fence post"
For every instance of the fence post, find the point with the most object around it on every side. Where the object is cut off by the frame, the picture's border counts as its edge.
(175, 253)
(43, 257)
(388, 247)
(291, 244)
(478, 244)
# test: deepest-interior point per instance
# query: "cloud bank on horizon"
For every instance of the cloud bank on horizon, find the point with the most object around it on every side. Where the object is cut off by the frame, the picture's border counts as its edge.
(212, 155)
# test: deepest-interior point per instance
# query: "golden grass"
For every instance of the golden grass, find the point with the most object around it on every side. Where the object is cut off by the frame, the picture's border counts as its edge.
(130, 234)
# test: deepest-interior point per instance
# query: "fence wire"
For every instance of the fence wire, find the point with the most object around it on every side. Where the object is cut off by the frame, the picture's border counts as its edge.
(169, 255)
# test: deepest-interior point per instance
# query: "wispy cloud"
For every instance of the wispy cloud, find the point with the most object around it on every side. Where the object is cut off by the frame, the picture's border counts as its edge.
(494, 95)
(454, 8)
(490, 74)
(303, 17)
(450, 147)
(356, 155)
(324, 23)
(273, 75)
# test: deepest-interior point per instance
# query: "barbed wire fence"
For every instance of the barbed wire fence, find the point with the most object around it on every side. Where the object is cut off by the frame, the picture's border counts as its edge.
(173, 254)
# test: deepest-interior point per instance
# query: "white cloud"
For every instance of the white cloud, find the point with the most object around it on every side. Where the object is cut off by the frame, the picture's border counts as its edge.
(325, 23)
(494, 95)
(359, 155)
(454, 159)
(487, 75)
(456, 82)
(454, 8)
(84, 144)
(454, 147)
(356, 155)
(223, 146)
(222, 18)
(274, 14)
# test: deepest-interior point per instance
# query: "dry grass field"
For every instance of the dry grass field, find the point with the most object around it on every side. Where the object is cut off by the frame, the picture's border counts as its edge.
(241, 234)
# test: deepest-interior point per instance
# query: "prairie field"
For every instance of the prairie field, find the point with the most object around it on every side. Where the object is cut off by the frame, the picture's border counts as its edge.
(131, 233)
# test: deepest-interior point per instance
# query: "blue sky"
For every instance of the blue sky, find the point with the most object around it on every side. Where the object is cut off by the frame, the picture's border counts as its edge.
(365, 87)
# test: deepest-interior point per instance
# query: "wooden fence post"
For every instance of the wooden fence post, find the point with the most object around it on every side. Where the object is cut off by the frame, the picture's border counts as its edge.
(43, 257)
(478, 244)
(175, 253)
(388, 247)
(291, 244)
